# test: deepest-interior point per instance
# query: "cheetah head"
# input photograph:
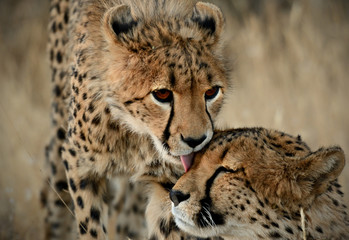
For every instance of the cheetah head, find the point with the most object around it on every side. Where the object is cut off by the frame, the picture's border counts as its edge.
(166, 76)
(240, 174)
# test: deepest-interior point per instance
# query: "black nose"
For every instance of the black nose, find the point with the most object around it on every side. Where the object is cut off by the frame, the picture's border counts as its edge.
(177, 197)
(192, 142)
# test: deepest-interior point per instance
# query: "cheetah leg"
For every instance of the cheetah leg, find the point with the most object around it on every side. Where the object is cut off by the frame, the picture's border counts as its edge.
(89, 193)
(55, 195)
(128, 206)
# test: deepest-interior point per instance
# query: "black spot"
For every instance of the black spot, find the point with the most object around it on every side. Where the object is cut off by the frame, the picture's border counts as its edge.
(104, 229)
(95, 214)
(319, 229)
(259, 212)
(85, 148)
(53, 168)
(61, 185)
(253, 219)
(59, 203)
(84, 96)
(72, 184)
(55, 225)
(340, 192)
(66, 16)
(82, 136)
(172, 79)
(265, 226)
(288, 154)
(224, 153)
(66, 165)
(203, 65)
(289, 230)
(59, 57)
(164, 228)
(80, 202)
(61, 133)
(72, 152)
(53, 27)
(96, 120)
(91, 107)
(299, 149)
(57, 91)
(113, 126)
(123, 27)
(274, 224)
(83, 228)
(83, 183)
(242, 207)
(276, 145)
(93, 233)
(335, 202)
(275, 235)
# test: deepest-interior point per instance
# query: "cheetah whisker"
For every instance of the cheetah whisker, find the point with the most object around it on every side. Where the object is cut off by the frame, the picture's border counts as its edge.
(303, 224)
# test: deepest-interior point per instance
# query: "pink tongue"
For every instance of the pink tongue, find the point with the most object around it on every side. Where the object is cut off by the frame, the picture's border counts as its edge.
(187, 161)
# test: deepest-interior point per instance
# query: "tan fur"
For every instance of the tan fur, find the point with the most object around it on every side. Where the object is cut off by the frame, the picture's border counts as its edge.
(268, 177)
(108, 60)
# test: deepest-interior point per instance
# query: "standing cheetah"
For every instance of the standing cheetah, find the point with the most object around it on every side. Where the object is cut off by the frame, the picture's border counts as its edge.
(137, 88)
(255, 184)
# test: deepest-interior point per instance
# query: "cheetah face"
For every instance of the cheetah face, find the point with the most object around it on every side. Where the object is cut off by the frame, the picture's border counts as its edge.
(171, 80)
(243, 176)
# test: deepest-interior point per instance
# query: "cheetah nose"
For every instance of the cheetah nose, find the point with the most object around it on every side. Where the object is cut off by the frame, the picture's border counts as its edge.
(192, 142)
(178, 197)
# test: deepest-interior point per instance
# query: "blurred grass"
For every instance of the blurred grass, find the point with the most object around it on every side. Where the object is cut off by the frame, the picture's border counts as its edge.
(290, 72)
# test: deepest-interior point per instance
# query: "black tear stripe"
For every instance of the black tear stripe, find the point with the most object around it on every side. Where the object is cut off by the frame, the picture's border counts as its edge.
(206, 214)
(209, 116)
(166, 134)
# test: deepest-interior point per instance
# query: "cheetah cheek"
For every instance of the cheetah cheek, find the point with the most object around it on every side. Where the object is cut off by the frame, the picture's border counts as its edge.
(187, 161)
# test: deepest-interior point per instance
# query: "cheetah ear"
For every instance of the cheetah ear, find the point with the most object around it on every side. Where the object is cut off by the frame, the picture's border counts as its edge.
(303, 179)
(319, 169)
(208, 18)
(119, 23)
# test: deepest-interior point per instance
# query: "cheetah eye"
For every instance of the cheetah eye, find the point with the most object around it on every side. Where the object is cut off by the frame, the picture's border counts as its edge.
(163, 95)
(211, 93)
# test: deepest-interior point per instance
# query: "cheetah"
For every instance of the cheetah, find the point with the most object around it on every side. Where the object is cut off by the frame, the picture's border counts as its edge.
(254, 183)
(137, 87)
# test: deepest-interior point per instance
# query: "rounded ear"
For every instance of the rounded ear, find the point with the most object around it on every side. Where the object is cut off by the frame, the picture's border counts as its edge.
(321, 168)
(118, 21)
(209, 18)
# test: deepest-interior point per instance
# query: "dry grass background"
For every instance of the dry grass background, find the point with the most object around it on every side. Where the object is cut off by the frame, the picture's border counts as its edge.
(291, 68)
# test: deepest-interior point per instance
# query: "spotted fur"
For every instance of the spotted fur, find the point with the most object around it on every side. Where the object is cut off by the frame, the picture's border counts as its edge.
(252, 184)
(110, 59)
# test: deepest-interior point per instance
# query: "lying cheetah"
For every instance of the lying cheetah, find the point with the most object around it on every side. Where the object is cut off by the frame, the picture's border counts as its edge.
(137, 88)
(254, 183)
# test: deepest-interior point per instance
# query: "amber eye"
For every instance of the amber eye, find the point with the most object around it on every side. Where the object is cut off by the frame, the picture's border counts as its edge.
(163, 95)
(211, 93)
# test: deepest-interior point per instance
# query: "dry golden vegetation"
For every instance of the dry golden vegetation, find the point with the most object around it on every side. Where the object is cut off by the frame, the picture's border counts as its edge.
(290, 70)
